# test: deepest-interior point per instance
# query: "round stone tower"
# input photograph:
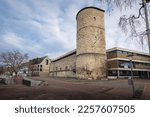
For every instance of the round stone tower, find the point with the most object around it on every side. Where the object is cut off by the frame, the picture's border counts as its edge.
(91, 52)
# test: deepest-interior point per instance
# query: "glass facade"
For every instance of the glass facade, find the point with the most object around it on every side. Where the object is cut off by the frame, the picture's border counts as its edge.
(119, 64)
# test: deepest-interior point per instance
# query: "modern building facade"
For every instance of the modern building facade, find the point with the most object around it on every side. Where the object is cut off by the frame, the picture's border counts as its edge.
(119, 63)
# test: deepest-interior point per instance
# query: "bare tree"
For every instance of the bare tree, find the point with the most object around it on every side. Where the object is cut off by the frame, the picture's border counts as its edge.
(121, 4)
(13, 60)
(130, 24)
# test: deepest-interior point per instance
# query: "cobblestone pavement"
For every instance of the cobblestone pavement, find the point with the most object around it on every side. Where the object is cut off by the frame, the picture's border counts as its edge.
(73, 89)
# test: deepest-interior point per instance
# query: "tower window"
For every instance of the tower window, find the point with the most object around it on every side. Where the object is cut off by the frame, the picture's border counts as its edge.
(66, 67)
(94, 18)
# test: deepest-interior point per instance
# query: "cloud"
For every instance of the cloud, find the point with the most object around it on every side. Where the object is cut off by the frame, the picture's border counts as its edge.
(13, 41)
(43, 27)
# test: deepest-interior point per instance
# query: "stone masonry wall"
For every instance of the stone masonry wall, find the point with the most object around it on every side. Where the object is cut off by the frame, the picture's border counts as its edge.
(91, 52)
(45, 68)
(64, 67)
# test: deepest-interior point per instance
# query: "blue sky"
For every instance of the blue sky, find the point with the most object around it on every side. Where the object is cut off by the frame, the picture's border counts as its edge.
(48, 27)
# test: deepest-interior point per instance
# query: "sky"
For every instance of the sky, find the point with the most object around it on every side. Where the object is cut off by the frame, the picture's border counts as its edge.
(48, 27)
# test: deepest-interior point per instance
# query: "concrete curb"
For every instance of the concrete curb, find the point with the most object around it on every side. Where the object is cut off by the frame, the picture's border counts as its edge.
(31, 82)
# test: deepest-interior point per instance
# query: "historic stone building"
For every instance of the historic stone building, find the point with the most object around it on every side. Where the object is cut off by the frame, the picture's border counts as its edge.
(64, 66)
(90, 59)
(91, 52)
(39, 66)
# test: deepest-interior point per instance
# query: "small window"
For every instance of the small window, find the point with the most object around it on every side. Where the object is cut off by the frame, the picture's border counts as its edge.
(113, 52)
(119, 52)
(40, 69)
(41, 66)
(66, 67)
(129, 53)
(46, 62)
(124, 52)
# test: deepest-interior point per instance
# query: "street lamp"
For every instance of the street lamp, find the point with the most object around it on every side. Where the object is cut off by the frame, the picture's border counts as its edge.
(130, 79)
(146, 20)
(131, 66)
(147, 1)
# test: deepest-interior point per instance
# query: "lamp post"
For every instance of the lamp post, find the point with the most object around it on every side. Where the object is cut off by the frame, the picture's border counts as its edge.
(130, 80)
(146, 20)
(147, 1)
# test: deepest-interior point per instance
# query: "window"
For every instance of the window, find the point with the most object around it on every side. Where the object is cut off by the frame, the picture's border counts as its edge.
(124, 52)
(119, 52)
(24, 71)
(40, 67)
(112, 73)
(94, 18)
(46, 62)
(129, 53)
(124, 64)
(113, 52)
(66, 67)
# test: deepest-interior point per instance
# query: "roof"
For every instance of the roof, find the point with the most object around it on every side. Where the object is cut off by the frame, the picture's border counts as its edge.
(127, 50)
(65, 55)
(25, 64)
(109, 50)
(88, 8)
(37, 60)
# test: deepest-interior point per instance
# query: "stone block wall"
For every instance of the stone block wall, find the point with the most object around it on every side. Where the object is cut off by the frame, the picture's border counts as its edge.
(64, 67)
(91, 51)
(45, 68)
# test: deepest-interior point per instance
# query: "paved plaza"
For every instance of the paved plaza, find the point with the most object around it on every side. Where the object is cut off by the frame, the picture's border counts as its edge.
(73, 89)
